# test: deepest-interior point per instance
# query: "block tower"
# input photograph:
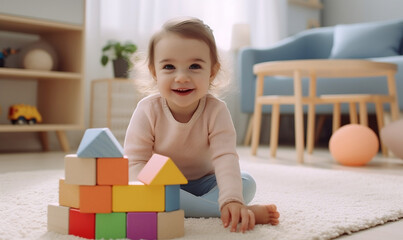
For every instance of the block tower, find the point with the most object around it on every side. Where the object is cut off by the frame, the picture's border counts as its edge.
(97, 201)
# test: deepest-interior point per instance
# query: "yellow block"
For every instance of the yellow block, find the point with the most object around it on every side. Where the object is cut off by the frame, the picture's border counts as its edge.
(138, 197)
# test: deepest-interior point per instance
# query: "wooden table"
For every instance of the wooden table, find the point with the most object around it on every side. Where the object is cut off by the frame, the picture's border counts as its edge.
(314, 69)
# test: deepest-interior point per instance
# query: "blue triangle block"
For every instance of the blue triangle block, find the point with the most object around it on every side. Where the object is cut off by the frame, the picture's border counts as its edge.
(99, 142)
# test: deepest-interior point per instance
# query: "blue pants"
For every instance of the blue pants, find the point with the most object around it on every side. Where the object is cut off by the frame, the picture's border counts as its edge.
(199, 198)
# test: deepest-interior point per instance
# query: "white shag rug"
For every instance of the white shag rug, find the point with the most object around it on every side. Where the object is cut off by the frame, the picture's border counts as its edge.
(313, 203)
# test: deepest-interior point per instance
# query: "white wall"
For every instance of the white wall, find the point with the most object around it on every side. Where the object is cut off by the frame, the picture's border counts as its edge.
(355, 11)
(299, 17)
(45, 9)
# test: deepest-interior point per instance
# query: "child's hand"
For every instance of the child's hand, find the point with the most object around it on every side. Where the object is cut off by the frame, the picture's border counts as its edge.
(234, 212)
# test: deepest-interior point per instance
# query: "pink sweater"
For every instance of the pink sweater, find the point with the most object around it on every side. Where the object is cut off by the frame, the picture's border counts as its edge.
(204, 145)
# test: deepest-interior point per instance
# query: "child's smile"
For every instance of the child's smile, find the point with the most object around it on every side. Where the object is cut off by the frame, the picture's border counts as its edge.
(183, 91)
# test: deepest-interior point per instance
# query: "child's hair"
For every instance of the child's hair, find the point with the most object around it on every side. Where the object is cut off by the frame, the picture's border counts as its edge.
(188, 27)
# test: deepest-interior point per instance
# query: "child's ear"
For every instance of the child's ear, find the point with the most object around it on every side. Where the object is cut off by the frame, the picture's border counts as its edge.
(153, 73)
(214, 71)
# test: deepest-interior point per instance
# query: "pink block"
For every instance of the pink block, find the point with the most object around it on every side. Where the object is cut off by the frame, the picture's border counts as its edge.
(141, 225)
(152, 168)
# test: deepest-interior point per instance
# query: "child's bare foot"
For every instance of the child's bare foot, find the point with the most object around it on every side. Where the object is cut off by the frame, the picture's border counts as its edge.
(265, 214)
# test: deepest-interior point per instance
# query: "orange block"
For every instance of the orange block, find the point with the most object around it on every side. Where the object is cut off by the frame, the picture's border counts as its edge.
(112, 171)
(96, 199)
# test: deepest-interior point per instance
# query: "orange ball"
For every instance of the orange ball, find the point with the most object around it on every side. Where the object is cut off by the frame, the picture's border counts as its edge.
(353, 145)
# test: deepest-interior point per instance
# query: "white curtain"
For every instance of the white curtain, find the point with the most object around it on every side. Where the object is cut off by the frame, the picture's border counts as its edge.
(137, 20)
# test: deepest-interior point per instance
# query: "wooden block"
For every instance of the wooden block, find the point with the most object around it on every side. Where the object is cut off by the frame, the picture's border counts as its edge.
(98, 143)
(138, 197)
(80, 171)
(96, 199)
(58, 219)
(142, 225)
(69, 194)
(110, 225)
(112, 171)
(82, 224)
(172, 197)
(161, 170)
(171, 224)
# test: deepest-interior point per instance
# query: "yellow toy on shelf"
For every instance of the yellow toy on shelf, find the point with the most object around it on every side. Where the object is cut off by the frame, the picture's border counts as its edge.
(24, 114)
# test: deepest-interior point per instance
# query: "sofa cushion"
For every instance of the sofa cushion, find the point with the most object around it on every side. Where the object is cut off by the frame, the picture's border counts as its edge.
(366, 40)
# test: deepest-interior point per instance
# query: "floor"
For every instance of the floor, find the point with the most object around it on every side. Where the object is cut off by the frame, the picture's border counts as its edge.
(10, 162)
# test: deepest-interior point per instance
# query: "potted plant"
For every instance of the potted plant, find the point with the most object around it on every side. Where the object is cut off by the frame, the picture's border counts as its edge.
(120, 54)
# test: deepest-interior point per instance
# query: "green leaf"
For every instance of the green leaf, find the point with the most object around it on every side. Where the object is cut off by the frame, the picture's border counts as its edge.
(104, 60)
(131, 48)
(106, 48)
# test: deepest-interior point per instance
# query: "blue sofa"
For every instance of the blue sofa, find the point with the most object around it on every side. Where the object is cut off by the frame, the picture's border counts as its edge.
(378, 41)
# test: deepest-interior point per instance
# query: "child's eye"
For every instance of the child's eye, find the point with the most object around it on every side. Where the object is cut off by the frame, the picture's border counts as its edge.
(195, 66)
(168, 67)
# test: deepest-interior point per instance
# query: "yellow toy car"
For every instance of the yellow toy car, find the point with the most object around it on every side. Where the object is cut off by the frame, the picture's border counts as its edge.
(24, 114)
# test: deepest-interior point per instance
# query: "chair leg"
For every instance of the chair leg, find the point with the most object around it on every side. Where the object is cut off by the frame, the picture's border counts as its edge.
(257, 119)
(298, 117)
(394, 105)
(248, 135)
(336, 116)
(311, 129)
(380, 123)
(274, 129)
(353, 113)
(363, 114)
(310, 142)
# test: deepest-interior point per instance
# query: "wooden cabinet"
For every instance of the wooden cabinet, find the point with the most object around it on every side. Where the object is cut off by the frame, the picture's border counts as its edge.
(59, 94)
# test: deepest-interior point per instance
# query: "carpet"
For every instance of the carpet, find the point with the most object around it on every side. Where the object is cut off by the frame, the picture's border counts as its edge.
(313, 203)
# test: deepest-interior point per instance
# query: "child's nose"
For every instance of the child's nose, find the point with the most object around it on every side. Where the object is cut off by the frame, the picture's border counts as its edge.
(182, 76)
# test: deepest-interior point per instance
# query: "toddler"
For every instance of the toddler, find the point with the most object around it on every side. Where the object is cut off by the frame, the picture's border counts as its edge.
(194, 128)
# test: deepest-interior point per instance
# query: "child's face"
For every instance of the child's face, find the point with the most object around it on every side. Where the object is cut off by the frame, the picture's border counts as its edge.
(182, 71)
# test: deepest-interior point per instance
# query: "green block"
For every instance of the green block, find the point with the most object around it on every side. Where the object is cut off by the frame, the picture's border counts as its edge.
(110, 225)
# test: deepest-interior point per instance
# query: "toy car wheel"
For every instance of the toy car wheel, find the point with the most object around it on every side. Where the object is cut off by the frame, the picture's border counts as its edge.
(32, 121)
(21, 120)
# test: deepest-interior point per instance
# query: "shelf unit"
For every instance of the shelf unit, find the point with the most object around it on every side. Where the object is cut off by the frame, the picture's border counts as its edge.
(60, 94)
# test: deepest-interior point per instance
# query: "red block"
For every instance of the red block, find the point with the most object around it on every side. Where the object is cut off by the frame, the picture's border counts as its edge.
(81, 224)
(112, 171)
